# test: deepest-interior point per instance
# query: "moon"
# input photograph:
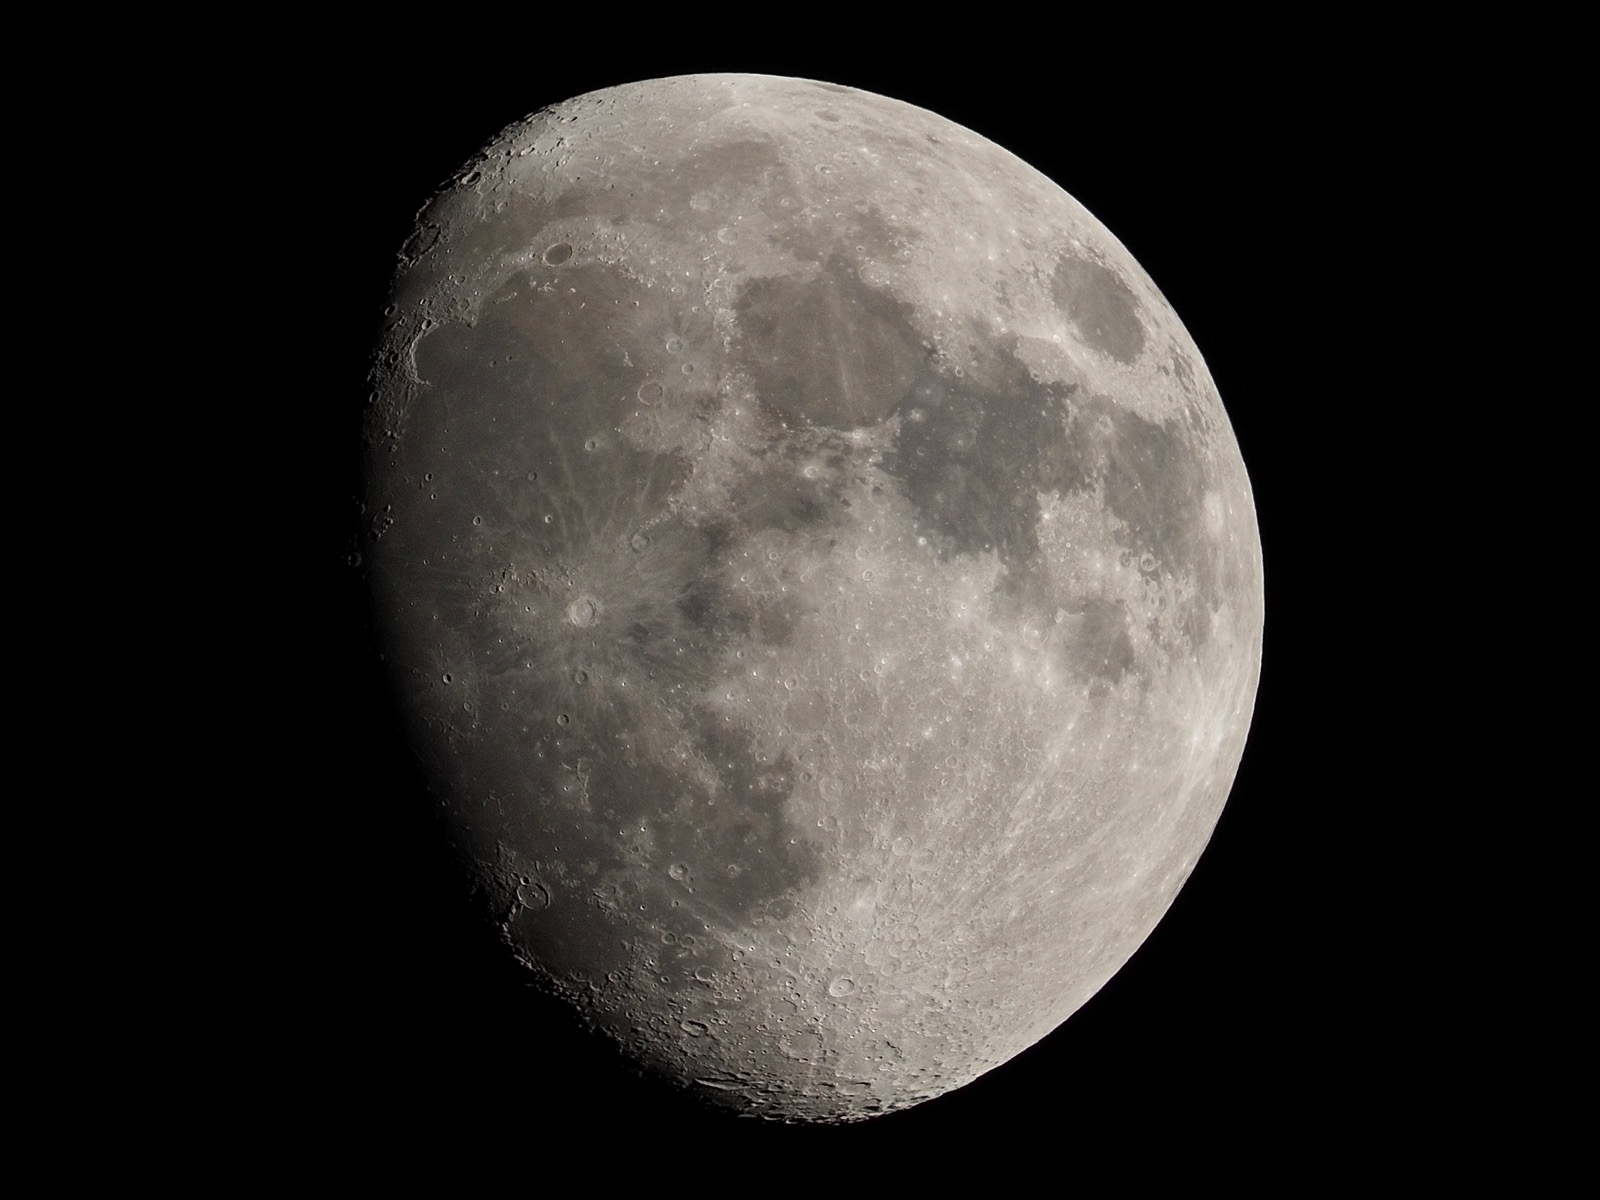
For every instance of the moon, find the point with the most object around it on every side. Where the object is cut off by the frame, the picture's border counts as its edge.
(819, 579)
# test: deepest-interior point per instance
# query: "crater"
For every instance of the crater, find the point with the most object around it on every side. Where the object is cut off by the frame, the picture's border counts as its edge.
(1100, 305)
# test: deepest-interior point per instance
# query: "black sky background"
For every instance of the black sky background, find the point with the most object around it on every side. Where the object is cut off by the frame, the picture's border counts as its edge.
(1264, 1010)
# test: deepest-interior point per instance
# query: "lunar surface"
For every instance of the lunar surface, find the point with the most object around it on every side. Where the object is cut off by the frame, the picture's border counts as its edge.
(818, 575)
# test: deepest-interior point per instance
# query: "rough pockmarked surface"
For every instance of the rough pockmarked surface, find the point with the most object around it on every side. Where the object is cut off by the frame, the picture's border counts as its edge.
(821, 578)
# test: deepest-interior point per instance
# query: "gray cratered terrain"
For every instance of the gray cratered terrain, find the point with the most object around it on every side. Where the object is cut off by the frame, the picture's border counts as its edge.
(820, 578)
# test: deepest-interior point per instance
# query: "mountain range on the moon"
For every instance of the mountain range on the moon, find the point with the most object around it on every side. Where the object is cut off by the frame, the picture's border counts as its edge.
(432, 987)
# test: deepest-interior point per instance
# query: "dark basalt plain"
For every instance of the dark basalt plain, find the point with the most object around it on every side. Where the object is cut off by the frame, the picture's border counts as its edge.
(819, 577)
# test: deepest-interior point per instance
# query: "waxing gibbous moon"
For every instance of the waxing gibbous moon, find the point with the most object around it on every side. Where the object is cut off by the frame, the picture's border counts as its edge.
(819, 578)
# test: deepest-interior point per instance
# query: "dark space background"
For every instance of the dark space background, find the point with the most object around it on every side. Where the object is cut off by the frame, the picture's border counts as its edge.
(1264, 1015)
